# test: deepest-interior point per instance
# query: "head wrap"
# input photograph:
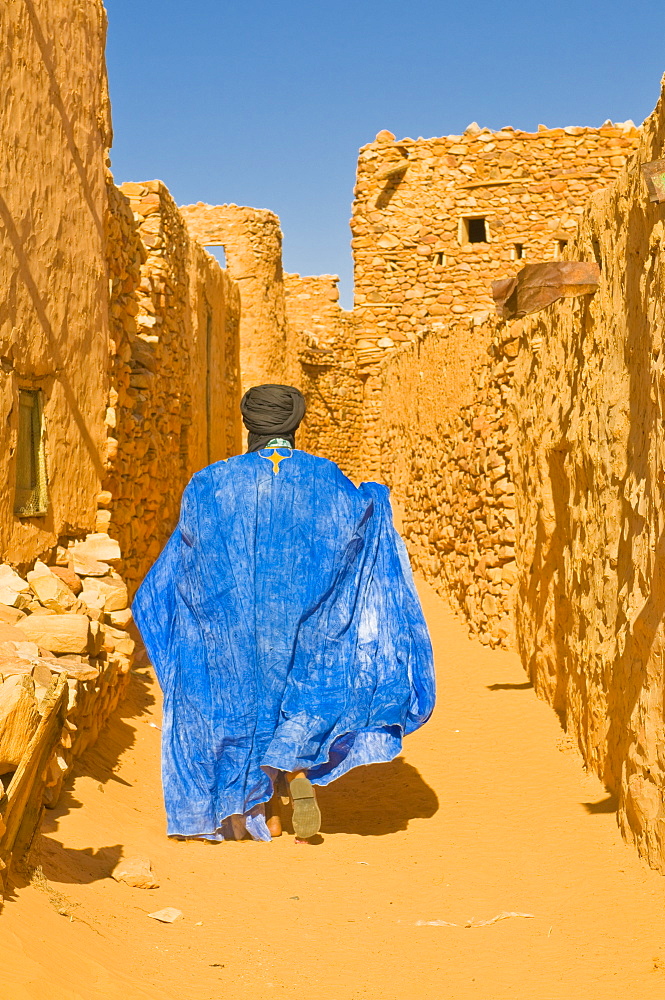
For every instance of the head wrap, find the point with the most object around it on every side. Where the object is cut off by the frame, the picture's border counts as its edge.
(270, 411)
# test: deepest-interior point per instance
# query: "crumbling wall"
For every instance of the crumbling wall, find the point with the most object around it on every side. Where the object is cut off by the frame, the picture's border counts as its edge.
(54, 130)
(590, 491)
(415, 260)
(416, 264)
(252, 242)
(292, 329)
(322, 362)
(174, 399)
(446, 453)
(61, 626)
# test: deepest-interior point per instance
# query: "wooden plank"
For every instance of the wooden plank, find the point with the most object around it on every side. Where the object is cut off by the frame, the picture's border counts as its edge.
(23, 804)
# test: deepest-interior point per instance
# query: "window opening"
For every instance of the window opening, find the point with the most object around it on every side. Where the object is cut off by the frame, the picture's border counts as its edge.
(218, 251)
(519, 251)
(559, 248)
(474, 230)
(31, 497)
(439, 259)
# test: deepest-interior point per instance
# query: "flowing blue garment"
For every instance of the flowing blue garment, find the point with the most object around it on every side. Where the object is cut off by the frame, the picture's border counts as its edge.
(284, 626)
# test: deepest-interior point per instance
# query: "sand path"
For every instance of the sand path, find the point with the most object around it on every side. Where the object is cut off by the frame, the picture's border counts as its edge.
(488, 812)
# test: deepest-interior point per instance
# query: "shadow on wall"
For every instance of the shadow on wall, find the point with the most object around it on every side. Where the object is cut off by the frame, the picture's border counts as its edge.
(544, 595)
(59, 364)
(376, 800)
(388, 191)
(67, 126)
(639, 665)
(603, 806)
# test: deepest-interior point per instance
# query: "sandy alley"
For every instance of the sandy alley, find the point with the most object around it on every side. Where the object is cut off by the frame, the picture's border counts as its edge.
(488, 812)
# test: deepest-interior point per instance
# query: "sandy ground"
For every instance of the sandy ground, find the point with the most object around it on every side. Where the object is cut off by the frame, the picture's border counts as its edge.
(489, 811)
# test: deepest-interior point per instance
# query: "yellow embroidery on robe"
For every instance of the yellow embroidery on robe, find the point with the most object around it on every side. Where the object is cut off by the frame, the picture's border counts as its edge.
(275, 458)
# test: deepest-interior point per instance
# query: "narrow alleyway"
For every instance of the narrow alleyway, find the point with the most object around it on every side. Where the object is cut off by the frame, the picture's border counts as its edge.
(489, 812)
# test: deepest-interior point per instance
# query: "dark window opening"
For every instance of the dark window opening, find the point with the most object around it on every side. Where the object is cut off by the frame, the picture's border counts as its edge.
(519, 251)
(439, 259)
(31, 497)
(475, 231)
(560, 247)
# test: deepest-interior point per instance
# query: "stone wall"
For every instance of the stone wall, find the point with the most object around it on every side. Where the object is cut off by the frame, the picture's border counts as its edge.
(418, 266)
(590, 491)
(64, 623)
(446, 454)
(54, 130)
(119, 378)
(173, 406)
(252, 242)
(292, 328)
(322, 362)
(416, 259)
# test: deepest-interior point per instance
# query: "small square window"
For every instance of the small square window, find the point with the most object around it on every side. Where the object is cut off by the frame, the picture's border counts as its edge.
(439, 259)
(31, 498)
(519, 251)
(474, 230)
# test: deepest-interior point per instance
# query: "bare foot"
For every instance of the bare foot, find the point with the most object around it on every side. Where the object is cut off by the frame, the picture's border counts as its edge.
(274, 825)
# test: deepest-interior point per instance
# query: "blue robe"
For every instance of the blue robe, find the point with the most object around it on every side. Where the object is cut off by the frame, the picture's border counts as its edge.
(285, 631)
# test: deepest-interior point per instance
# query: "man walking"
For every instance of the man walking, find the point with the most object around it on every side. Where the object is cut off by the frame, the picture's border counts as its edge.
(285, 630)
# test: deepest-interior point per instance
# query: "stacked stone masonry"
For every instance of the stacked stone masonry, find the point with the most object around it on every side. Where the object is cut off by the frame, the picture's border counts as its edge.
(175, 369)
(323, 364)
(446, 454)
(71, 619)
(418, 264)
(252, 243)
(589, 411)
(291, 328)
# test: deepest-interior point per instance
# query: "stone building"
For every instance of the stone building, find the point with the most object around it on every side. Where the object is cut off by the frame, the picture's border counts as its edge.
(119, 378)
(435, 221)
(291, 327)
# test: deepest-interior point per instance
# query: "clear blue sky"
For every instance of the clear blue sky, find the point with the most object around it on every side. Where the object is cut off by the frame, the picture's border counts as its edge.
(266, 103)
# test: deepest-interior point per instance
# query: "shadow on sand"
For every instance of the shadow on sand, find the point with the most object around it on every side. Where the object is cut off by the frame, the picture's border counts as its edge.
(375, 800)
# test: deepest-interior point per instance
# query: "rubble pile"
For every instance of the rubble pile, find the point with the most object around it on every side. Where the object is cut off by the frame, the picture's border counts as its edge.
(69, 618)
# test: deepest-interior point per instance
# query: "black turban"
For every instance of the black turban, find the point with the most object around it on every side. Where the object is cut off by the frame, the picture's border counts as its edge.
(270, 411)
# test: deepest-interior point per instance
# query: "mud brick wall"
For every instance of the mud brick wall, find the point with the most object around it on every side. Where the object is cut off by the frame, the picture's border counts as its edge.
(590, 492)
(446, 454)
(54, 130)
(175, 390)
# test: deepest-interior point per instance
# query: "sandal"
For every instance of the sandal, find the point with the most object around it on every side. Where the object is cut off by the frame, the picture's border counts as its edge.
(306, 812)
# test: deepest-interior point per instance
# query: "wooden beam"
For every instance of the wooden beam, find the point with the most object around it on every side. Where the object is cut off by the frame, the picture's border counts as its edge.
(23, 805)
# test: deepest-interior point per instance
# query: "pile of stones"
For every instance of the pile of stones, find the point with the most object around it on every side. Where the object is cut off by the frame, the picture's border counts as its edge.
(69, 618)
